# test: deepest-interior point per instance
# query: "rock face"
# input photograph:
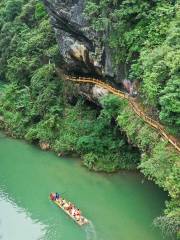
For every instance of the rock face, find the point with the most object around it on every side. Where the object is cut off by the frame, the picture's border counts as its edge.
(92, 93)
(80, 47)
(44, 146)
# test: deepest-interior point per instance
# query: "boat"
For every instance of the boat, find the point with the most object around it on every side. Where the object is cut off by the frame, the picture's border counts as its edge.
(81, 221)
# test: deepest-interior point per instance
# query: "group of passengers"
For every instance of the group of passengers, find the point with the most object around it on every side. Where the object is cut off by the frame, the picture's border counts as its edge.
(68, 206)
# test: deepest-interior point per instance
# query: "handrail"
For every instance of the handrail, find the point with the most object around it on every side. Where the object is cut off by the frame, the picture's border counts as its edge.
(134, 106)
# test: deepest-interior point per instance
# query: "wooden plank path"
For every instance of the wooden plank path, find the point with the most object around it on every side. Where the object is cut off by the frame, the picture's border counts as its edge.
(156, 125)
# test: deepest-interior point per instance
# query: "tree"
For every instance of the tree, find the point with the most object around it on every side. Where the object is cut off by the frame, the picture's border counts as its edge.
(13, 9)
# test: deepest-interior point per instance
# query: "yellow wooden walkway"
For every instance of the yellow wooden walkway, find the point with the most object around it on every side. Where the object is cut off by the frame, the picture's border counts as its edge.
(172, 140)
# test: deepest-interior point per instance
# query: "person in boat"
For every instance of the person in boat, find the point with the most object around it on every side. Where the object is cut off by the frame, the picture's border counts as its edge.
(78, 217)
(73, 211)
(57, 196)
(78, 212)
(66, 206)
(63, 202)
(70, 207)
(53, 196)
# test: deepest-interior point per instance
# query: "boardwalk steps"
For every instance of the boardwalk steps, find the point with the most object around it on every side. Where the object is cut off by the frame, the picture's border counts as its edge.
(174, 142)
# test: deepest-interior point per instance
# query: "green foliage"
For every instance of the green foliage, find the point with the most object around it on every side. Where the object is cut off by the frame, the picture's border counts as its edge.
(158, 162)
(139, 133)
(159, 70)
(169, 225)
(40, 11)
(35, 104)
(145, 36)
(130, 24)
(94, 139)
(108, 162)
(27, 15)
(158, 166)
(12, 9)
(112, 105)
(170, 103)
(90, 160)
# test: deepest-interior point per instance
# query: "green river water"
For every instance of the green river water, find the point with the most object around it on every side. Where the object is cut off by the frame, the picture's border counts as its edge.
(120, 206)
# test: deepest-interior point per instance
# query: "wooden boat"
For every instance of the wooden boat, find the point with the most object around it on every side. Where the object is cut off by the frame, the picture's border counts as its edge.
(82, 221)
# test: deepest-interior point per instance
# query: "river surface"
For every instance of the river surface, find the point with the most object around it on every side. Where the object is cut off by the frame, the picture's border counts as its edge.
(120, 206)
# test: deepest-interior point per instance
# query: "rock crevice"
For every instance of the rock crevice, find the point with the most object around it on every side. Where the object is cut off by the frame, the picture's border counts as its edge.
(81, 48)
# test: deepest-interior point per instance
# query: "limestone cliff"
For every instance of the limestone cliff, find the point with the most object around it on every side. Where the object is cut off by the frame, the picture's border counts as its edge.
(81, 48)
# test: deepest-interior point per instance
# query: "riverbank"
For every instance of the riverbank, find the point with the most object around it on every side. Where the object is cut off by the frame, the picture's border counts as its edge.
(80, 128)
(45, 146)
(41, 108)
(101, 145)
(114, 203)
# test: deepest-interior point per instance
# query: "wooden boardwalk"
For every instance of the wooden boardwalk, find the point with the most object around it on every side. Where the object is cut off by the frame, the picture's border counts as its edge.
(156, 125)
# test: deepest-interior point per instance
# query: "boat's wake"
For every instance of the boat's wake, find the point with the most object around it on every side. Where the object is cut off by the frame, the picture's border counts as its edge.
(90, 231)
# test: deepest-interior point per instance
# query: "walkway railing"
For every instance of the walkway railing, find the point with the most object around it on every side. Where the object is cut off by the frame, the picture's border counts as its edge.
(133, 105)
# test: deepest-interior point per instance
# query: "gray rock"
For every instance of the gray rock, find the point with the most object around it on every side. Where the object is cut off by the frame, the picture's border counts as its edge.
(81, 47)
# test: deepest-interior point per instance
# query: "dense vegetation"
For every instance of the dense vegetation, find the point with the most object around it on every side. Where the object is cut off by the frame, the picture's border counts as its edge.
(36, 104)
(40, 107)
(145, 36)
(159, 162)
